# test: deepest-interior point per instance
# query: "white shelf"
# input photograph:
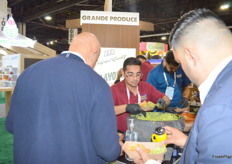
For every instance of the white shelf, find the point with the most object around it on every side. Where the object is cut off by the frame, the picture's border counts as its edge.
(8, 74)
(7, 81)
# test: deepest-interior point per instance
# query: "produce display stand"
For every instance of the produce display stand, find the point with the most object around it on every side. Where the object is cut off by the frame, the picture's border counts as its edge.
(17, 53)
(8, 93)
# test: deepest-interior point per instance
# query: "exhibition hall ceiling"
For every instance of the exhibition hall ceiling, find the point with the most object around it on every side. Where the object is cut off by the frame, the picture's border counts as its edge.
(162, 13)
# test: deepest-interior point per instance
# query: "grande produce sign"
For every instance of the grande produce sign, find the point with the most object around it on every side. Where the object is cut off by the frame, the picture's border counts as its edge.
(113, 18)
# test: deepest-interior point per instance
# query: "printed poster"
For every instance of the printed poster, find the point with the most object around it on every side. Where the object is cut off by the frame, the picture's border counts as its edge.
(111, 60)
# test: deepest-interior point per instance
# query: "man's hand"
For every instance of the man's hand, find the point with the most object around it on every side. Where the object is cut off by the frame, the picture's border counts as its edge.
(144, 158)
(162, 103)
(134, 109)
(170, 109)
(181, 110)
(121, 144)
(176, 110)
(183, 103)
(175, 136)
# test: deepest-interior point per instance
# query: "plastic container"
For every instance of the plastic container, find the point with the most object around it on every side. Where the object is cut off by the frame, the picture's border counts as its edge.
(129, 148)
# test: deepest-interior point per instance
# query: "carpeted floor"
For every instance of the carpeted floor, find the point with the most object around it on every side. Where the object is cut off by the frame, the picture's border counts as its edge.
(6, 144)
(2, 98)
(6, 139)
(2, 106)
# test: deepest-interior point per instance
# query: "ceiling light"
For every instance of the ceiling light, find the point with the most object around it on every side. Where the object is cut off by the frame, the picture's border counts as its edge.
(224, 7)
(163, 38)
(48, 17)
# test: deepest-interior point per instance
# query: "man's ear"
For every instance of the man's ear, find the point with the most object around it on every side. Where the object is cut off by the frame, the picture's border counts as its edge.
(190, 56)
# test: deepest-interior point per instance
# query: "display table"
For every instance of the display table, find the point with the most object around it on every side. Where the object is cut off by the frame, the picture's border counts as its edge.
(8, 93)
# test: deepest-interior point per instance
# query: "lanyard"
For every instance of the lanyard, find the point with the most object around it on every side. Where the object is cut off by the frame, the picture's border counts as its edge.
(128, 95)
(166, 80)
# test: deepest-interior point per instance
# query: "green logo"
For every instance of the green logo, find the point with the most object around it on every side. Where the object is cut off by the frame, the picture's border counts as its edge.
(10, 29)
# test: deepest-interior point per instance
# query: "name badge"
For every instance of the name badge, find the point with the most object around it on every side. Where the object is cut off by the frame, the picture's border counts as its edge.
(169, 92)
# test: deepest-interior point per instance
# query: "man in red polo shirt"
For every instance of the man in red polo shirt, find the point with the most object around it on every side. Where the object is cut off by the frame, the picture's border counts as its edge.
(128, 93)
(145, 67)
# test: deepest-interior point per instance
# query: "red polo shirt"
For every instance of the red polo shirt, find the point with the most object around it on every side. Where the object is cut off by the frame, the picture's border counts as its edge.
(145, 68)
(147, 93)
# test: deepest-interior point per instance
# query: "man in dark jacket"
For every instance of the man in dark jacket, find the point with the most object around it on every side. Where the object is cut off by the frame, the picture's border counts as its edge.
(62, 111)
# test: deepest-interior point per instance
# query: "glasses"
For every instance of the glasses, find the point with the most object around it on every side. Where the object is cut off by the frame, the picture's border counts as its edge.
(132, 74)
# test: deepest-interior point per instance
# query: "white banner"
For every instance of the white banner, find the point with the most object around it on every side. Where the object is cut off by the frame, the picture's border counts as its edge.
(72, 32)
(11, 69)
(106, 17)
(11, 61)
(3, 6)
(3, 13)
(111, 60)
(3, 20)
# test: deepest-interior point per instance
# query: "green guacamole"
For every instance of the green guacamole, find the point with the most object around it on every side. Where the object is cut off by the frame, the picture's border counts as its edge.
(157, 116)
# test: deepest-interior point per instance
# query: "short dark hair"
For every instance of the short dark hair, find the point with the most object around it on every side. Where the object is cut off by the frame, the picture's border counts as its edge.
(188, 20)
(141, 57)
(131, 61)
(170, 58)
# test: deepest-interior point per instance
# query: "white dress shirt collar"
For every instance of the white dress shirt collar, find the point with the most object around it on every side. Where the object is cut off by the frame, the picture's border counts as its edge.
(207, 84)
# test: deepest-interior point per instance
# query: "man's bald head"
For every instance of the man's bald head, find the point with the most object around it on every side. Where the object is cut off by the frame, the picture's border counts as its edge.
(88, 46)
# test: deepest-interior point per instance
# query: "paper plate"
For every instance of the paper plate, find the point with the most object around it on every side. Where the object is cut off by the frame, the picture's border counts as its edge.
(150, 148)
